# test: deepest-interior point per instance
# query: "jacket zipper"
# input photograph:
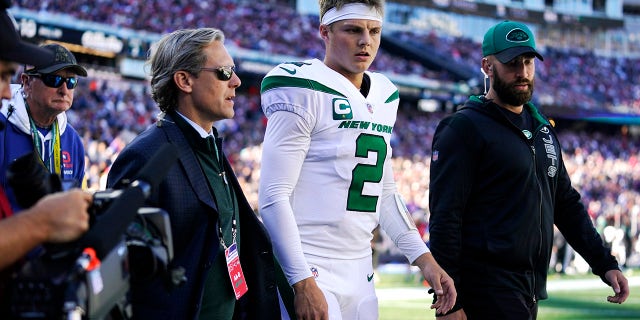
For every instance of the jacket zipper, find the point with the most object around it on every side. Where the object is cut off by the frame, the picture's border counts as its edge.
(535, 171)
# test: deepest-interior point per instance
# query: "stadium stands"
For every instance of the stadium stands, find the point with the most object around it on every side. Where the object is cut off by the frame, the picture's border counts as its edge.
(109, 110)
(569, 78)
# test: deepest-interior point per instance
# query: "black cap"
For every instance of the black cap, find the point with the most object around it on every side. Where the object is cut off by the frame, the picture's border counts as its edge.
(62, 59)
(13, 48)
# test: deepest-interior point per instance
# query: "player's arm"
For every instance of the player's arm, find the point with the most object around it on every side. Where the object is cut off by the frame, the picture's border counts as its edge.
(397, 222)
(284, 150)
(286, 142)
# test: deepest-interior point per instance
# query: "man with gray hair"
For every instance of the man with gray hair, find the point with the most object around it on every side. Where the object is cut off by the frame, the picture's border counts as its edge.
(217, 238)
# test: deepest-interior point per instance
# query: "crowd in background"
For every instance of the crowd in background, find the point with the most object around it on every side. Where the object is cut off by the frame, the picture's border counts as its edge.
(572, 78)
(108, 113)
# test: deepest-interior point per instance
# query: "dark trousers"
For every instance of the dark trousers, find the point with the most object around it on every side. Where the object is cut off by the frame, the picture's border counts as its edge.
(498, 304)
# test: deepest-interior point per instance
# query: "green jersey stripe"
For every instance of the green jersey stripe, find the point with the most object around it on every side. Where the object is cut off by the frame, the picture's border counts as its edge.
(273, 82)
(394, 96)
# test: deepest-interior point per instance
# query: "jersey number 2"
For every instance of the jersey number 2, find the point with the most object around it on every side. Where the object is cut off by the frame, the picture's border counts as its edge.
(365, 143)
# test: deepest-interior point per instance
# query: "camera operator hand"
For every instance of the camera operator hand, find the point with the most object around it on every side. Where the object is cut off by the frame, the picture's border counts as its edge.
(57, 217)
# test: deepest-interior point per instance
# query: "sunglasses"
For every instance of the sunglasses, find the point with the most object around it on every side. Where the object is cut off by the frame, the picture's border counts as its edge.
(223, 73)
(55, 81)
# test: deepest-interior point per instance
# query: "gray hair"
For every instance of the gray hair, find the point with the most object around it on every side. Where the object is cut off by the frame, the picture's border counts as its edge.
(181, 50)
(326, 5)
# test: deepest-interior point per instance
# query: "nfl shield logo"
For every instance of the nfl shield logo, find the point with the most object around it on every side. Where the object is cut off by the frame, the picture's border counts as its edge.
(434, 155)
(370, 107)
(314, 272)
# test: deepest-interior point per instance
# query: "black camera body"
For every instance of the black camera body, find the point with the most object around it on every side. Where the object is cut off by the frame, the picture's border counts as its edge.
(71, 279)
(53, 287)
(49, 289)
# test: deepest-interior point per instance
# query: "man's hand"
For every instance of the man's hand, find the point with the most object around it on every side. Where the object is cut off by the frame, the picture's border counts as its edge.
(58, 217)
(63, 215)
(309, 301)
(441, 282)
(619, 284)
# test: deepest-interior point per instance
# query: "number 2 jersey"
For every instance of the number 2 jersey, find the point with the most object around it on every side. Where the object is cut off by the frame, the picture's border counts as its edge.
(333, 163)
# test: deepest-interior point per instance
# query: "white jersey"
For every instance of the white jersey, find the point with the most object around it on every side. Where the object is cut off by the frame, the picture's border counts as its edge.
(344, 168)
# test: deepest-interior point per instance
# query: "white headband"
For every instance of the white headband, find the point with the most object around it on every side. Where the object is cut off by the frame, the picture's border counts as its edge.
(351, 11)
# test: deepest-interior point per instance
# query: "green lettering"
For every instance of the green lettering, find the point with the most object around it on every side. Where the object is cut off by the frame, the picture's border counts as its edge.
(344, 124)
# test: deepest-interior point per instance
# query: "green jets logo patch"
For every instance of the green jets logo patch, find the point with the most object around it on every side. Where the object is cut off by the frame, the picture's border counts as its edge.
(517, 35)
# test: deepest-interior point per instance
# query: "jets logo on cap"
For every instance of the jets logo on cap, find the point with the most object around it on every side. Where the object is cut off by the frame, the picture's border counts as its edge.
(517, 35)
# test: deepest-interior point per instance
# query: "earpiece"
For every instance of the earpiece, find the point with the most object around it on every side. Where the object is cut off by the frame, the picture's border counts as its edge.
(484, 81)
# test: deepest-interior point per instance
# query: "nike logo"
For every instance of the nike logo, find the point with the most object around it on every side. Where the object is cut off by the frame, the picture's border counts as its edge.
(370, 277)
(289, 71)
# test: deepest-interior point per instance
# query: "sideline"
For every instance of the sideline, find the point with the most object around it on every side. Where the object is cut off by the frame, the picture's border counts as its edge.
(579, 284)
(395, 294)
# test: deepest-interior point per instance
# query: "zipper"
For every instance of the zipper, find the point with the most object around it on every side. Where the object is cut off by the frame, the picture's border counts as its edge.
(535, 171)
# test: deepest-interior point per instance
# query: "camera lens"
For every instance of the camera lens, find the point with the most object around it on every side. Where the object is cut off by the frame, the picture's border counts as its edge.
(31, 180)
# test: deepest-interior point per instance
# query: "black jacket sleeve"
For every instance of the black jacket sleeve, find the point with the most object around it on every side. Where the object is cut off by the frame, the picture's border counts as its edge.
(572, 219)
(452, 173)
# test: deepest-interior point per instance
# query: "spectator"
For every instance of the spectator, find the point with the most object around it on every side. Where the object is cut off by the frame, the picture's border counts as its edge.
(36, 120)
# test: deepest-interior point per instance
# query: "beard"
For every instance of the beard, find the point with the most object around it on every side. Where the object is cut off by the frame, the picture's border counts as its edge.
(508, 94)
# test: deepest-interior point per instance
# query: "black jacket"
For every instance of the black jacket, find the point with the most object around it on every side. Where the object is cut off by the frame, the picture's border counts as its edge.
(494, 197)
(193, 213)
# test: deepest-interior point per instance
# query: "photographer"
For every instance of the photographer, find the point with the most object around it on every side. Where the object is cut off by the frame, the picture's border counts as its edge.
(57, 217)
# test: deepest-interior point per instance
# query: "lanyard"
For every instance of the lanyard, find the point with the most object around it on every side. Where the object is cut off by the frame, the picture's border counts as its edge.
(54, 146)
(219, 156)
(233, 233)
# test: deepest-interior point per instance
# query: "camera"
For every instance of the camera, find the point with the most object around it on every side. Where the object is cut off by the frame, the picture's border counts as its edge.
(90, 278)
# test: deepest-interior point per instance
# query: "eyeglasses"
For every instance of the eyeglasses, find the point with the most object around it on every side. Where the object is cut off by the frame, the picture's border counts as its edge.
(223, 73)
(55, 81)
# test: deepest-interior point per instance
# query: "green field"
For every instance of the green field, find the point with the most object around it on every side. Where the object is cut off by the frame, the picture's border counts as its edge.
(570, 297)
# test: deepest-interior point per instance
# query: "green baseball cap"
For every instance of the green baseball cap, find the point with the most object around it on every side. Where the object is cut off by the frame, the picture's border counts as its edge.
(507, 40)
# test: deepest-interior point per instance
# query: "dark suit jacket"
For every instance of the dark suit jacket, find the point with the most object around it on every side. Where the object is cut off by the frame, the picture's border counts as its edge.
(185, 196)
